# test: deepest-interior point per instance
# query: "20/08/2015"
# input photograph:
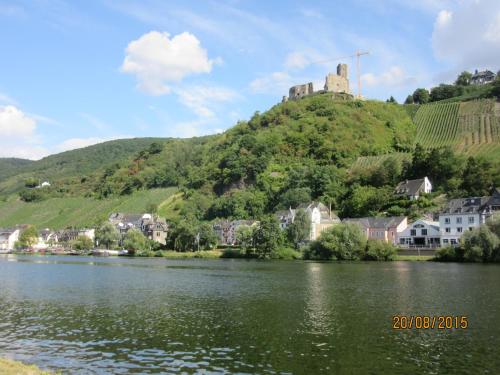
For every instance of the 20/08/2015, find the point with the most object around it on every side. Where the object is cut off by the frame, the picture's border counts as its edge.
(400, 322)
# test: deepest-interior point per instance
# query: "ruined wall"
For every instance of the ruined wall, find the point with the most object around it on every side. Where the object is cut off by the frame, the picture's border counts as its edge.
(299, 91)
(338, 82)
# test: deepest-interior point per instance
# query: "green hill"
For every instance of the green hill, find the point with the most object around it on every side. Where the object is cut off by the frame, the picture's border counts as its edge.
(296, 151)
(58, 213)
(11, 166)
(79, 162)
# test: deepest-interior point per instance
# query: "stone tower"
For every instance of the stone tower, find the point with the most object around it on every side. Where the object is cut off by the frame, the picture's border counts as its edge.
(342, 71)
(338, 83)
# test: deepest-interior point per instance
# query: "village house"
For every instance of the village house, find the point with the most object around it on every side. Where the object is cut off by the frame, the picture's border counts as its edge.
(420, 234)
(8, 238)
(412, 189)
(381, 228)
(321, 218)
(482, 78)
(226, 230)
(46, 239)
(68, 235)
(153, 227)
(463, 214)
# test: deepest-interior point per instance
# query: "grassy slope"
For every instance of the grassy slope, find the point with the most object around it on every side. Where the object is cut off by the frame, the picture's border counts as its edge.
(10, 166)
(74, 163)
(9, 367)
(59, 213)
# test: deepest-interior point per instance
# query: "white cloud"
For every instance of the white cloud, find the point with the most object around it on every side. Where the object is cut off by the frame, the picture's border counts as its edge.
(394, 77)
(296, 60)
(14, 123)
(203, 99)
(18, 136)
(469, 35)
(274, 83)
(156, 60)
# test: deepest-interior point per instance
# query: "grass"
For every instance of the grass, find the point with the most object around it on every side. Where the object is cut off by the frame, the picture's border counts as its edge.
(414, 257)
(57, 213)
(9, 367)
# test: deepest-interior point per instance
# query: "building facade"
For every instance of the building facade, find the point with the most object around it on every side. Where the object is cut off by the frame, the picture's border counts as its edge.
(412, 189)
(226, 231)
(320, 216)
(381, 228)
(420, 234)
(8, 238)
(482, 78)
(153, 227)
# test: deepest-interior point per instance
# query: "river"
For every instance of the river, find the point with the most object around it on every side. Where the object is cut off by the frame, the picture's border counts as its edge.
(120, 315)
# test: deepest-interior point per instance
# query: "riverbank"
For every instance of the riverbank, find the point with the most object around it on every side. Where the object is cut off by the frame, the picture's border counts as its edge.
(232, 253)
(9, 367)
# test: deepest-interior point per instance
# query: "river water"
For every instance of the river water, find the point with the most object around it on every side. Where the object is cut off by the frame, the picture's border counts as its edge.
(120, 315)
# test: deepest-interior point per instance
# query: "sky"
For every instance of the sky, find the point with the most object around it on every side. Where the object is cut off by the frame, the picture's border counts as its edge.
(75, 73)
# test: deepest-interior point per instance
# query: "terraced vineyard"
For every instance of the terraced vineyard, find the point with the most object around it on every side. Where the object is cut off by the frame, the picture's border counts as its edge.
(437, 124)
(471, 128)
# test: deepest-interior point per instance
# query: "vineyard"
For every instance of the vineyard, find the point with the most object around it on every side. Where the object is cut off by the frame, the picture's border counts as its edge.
(470, 128)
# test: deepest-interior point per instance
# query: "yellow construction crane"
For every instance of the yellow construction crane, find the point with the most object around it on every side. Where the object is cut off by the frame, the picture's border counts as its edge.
(357, 55)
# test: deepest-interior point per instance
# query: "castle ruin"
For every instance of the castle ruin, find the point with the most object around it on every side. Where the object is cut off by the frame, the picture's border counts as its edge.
(335, 83)
(338, 83)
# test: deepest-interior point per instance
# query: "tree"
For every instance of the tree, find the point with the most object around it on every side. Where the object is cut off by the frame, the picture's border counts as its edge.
(479, 245)
(107, 235)
(184, 235)
(268, 237)
(443, 92)
(477, 177)
(409, 99)
(495, 90)
(300, 229)
(341, 242)
(28, 237)
(31, 182)
(206, 236)
(245, 238)
(421, 96)
(82, 243)
(463, 79)
(134, 241)
(296, 196)
(391, 100)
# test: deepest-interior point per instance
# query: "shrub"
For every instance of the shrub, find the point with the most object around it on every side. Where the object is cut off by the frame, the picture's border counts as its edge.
(342, 242)
(479, 245)
(286, 253)
(448, 254)
(379, 250)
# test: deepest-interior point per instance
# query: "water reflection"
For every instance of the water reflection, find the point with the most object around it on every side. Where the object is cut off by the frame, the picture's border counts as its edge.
(118, 316)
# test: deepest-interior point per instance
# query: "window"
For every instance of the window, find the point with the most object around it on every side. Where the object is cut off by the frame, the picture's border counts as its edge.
(424, 232)
(453, 241)
(413, 232)
(471, 219)
(459, 229)
(447, 220)
(471, 228)
(445, 240)
(447, 230)
(402, 241)
(459, 220)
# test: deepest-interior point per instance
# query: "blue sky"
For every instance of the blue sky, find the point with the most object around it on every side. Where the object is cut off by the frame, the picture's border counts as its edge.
(74, 73)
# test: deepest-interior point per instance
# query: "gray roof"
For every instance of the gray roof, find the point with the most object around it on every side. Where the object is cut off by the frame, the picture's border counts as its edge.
(469, 205)
(377, 222)
(410, 187)
(484, 73)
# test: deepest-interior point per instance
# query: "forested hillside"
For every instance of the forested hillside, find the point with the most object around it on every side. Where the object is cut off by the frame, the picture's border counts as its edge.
(70, 163)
